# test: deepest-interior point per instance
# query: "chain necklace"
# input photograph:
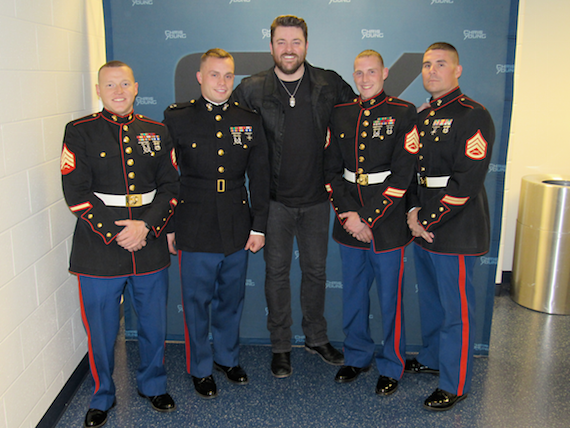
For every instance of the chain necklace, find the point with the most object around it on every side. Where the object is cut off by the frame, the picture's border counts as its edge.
(291, 95)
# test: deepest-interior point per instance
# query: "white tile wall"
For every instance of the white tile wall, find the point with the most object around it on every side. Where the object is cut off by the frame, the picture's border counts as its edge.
(49, 56)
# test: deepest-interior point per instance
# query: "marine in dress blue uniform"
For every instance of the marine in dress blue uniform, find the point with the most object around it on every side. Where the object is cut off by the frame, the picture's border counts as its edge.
(119, 174)
(451, 222)
(369, 165)
(217, 143)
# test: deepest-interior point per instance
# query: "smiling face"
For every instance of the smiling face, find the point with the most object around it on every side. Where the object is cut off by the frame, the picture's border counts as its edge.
(369, 75)
(440, 72)
(216, 77)
(289, 49)
(117, 89)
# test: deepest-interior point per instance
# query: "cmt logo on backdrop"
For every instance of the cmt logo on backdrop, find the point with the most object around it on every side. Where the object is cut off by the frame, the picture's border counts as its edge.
(299, 339)
(145, 101)
(489, 260)
(505, 68)
(441, 1)
(334, 284)
(175, 34)
(372, 34)
(239, 1)
(249, 283)
(495, 167)
(142, 2)
(265, 34)
(473, 34)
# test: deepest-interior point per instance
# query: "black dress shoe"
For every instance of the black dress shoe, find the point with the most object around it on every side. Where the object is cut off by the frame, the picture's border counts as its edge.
(414, 366)
(327, 353)
(160, 403)
(205, 386)
(349, 373)
(281, 364)
(234, 374)
(96, 418)
(386, 385)
(441, 400)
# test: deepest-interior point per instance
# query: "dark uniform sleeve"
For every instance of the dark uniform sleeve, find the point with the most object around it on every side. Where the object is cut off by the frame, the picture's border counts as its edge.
(258, 174)
(470, 166)
(77, 177)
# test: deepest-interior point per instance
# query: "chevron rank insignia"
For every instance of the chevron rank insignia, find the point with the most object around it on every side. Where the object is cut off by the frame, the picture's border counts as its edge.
(476, 147)
(67, 162)
(412, 143)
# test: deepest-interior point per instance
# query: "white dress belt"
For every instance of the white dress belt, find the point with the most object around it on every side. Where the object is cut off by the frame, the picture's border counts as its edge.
(433, 181)
(366, 179)
(132, 200)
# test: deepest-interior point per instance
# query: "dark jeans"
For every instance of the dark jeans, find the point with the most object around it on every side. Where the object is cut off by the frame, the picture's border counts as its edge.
(310, 226)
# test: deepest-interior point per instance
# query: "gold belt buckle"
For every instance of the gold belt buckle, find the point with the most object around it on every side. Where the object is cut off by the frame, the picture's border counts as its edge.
(221, 185)
(423, 181)
(134, 200)
(362, 179)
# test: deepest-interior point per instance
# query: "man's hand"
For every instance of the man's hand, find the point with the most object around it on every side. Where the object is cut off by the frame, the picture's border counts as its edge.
(355, 227)
(423, 107)
(133, 237)
(416, 227)
(255, 243)
(171, 239)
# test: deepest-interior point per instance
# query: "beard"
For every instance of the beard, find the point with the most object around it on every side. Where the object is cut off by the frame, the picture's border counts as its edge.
(289, 67)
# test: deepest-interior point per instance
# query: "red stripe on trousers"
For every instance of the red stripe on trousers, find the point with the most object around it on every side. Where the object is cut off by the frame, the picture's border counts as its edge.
(89, 345)
(465, 327)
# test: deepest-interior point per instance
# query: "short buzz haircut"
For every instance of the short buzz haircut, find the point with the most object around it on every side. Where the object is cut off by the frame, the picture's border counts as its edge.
(444, 47)
(113, 64)
(290, 21)
(215, 53)
(370, 52)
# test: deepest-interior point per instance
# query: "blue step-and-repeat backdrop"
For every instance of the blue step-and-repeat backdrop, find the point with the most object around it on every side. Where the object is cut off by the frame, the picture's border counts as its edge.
(162, 41)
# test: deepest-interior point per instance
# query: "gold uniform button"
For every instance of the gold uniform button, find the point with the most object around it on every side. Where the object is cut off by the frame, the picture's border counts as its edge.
(128, 150)
(385, 202)
(245, 146)
(436, 138)
(365, 123)
(389, 99)
(360, 158)
(426, 122)
(421, 157)
(366, 112)
(432, 113)
(369, 219)
(152, 153)
(132, 187)
(126, 139)
(194, 145)
(423, 168)
(433, 216)
(364, 134)
(108, 235)
(99, 225)
(381, 137)
(130, 162)
(441, 209)
(220, 152)
(125, 128)
(360, 170)
(421, 145)
(131, 116)
(131, 175)
(424, 222)
(102, 154)
(157, 228)
(221, 169)
(422, 133)
(90, 216)
(439, 102)
(219, 134)
(342, 135)
(377, 211)
(114, 118)
(163, 219)
(336, 208)
(362, 147)
(218, 117)
(243, 202)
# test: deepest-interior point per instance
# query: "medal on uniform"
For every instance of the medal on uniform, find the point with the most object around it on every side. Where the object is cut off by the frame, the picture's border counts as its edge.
(237, 132)
(147, 139)
(377, 125)
(439, 123)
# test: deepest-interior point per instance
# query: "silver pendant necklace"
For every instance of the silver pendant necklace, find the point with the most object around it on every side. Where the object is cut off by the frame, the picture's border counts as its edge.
(292, 95)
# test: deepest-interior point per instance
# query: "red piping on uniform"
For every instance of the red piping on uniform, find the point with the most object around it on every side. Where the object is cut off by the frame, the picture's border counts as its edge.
(465, 327)
(398, 327)
(88, 331)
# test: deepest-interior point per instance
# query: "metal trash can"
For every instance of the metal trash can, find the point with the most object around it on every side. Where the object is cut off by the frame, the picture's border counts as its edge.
(541, 266)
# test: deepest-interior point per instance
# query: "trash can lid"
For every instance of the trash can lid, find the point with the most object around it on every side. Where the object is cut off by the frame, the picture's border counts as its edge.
(557, 182)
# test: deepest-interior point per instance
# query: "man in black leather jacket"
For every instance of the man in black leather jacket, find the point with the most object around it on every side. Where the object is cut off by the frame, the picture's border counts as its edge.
(295, 101)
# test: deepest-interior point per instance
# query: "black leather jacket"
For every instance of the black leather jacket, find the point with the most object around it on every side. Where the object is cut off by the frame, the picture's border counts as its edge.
(260, 93)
